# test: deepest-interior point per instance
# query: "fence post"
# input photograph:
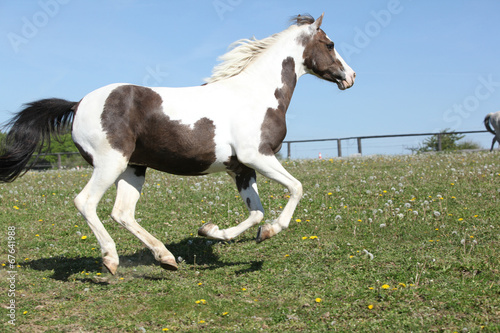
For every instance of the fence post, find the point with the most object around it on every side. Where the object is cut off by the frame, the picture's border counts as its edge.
(339, 148)
(288, 150)
(59, 163)
(359, 146)
(439, 142)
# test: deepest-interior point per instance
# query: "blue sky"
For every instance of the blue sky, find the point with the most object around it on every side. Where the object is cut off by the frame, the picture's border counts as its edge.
(422, 66)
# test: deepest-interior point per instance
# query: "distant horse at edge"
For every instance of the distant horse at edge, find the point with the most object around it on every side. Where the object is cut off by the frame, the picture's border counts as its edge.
(493, 118)
(234, 123)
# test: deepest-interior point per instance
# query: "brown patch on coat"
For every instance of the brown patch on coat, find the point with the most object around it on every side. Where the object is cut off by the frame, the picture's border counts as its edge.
(320, 59)
(86, 156)
(136, 126)
(273, 129)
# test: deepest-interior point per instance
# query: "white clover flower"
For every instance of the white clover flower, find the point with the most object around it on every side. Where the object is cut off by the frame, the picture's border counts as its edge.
(383, 225)
(437, 214)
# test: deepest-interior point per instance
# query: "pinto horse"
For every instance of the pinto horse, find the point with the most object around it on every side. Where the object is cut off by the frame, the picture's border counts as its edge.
(233, 123)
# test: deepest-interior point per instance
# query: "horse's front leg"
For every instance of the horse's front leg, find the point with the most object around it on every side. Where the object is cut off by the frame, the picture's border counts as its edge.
(270, 167)
(245, 179)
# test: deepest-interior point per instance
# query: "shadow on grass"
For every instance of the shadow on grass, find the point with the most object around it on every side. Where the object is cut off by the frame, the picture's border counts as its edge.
(198, 252)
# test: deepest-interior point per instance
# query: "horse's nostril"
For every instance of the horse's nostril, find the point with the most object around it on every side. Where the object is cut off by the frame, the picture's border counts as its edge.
(354, 75)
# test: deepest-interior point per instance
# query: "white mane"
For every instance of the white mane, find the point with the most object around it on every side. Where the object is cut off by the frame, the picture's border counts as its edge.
(241, 54)
(244, 51)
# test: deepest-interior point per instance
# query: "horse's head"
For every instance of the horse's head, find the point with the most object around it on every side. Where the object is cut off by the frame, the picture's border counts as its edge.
(321, 59)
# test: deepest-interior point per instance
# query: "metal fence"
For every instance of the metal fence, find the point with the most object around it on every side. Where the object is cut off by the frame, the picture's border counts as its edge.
(43, 164)
(360, 139)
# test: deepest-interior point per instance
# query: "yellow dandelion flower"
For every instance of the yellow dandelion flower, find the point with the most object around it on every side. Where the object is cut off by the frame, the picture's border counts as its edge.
(98, 273)
(330, 193)
(197, 301)
(318, 300)
(165, 329)
(202, 322)
(298, 220)
(25, 312)
(199, 283)
(371, 288)
(460, 219)
(402, 284)
(313, 237)
(243, 289)
(84, 237)
(305, 237)
(225, 313)
(385, 286)
(370, 306)
(15, 207)
(37, 235)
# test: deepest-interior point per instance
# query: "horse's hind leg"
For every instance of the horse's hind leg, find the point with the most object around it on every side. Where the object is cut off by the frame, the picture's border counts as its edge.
(86, 202)
(129, 186)
(247, 186)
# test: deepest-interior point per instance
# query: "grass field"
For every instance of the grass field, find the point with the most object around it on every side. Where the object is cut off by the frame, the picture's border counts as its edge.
(377, 244)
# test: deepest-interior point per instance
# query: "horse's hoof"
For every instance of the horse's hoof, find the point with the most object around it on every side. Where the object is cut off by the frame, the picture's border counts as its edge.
(265, 232)
(169, 264)
(110, 264)
(206, 229)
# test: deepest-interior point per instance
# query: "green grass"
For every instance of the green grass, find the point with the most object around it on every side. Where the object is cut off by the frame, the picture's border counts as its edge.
(430, 222)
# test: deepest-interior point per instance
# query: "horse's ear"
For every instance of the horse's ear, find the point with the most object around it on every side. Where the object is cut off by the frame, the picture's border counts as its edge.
(317, 24)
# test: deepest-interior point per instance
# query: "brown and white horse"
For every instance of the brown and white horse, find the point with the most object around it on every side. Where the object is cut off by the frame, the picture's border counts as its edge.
(234, 123)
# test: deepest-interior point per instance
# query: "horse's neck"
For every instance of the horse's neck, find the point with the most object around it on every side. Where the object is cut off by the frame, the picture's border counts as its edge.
(277, 71)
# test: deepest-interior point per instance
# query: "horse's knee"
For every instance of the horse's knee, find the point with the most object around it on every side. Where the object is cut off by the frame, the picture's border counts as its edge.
(296, 189)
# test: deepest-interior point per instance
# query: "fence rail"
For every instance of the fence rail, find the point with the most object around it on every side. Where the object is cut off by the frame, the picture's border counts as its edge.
(289, 143)
(360, 138)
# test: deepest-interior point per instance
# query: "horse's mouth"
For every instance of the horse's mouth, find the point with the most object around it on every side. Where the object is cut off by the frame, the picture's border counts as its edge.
(347, 83)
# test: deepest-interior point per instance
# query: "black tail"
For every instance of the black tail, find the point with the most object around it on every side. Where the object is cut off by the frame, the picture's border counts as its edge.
(31, 130)
(487, 124)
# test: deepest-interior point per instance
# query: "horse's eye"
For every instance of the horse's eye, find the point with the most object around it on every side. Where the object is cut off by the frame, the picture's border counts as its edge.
(330, 46)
